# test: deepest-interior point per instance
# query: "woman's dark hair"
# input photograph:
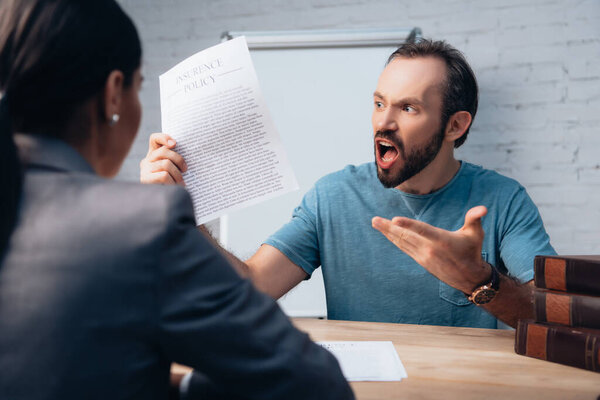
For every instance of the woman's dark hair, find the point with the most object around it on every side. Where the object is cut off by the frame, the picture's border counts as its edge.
(54, 56)
(461, 92)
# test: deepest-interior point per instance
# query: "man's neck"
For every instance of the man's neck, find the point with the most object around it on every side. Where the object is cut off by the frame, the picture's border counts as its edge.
(435, 176)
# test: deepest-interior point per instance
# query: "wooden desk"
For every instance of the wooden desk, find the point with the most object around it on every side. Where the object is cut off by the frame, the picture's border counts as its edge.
(457, 363)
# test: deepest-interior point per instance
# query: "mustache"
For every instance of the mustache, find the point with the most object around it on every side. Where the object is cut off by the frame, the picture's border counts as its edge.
(390, 136)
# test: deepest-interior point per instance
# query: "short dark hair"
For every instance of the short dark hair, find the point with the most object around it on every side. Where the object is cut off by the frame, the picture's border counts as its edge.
(461, 92)
(54, 56)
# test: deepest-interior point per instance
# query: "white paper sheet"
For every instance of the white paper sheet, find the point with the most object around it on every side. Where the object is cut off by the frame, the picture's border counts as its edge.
(212, 106)
(368, 360)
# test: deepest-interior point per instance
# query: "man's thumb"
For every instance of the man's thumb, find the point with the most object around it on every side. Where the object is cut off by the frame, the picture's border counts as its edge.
(473, 217)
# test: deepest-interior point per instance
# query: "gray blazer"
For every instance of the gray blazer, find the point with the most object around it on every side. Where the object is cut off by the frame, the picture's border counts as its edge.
(106, 283)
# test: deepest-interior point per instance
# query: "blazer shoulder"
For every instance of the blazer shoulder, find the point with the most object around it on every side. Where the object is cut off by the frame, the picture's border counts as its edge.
(134, 203)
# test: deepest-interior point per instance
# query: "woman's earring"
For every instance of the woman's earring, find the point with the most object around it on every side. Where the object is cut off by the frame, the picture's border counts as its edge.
(113, 120)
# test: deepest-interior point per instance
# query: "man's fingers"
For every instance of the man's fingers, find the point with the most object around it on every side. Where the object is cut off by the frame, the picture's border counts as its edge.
(169, 167)
(158, 177)
(160, 139)
(401, 237)
(162, 165)
(420, 228)
(164, 153)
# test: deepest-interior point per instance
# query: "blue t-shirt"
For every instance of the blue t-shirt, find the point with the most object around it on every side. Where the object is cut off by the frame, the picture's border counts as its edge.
(367, 278)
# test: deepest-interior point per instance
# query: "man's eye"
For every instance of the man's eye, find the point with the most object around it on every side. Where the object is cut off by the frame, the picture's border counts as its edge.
(409, 109)
(378, 104)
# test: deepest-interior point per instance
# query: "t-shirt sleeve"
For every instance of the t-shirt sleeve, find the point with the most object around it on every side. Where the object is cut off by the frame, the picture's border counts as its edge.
(298, 240)
(523, 236)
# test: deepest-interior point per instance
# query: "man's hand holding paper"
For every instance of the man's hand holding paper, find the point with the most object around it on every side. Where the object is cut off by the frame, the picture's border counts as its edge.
(212, 107)
(162, 164)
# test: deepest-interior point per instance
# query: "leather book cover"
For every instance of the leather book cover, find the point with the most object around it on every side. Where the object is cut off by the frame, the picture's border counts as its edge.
(576, 347)
(580, 274)
(577, 310)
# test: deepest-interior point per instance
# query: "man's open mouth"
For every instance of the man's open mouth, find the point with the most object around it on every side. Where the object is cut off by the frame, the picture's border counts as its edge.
(387, 153)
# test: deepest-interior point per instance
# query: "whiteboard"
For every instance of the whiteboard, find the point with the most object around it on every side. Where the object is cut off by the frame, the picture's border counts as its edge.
(320, 99)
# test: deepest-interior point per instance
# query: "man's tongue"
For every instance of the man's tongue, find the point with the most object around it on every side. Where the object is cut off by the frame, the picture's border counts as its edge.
(388, 154)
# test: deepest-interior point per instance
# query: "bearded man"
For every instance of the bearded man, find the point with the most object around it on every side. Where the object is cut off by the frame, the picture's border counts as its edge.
(438, 262)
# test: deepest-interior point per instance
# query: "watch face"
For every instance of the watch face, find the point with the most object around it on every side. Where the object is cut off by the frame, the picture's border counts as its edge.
(484, 296)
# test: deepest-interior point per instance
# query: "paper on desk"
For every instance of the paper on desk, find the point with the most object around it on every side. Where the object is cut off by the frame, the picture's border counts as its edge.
(212, 106)
(368, 360)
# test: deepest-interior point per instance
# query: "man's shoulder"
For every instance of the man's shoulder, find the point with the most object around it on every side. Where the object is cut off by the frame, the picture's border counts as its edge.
(350, 175)
(489, 179)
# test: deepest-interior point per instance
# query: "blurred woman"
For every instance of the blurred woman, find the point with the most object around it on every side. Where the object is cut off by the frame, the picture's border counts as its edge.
(103, 284)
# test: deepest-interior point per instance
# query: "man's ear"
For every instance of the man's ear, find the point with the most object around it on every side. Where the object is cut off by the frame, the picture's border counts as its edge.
(457, 125)
(113, 92)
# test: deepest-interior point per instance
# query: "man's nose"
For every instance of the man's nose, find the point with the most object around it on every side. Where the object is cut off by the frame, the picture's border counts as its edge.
(386, 121)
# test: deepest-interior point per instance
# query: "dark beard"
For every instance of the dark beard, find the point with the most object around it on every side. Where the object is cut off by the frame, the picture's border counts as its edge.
(414, 162)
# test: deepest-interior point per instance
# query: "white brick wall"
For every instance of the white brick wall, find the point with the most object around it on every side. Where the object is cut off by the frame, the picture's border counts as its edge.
(537, 61)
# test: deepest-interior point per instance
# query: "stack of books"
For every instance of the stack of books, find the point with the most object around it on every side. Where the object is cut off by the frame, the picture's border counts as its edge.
(566, 329)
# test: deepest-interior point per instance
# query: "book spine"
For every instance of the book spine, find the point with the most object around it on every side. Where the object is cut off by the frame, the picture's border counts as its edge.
(558, 344)
(567, 309)
(567, 274)
(539, 272)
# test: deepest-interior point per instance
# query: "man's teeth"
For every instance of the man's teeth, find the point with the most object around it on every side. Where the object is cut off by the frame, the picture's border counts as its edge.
(385, 144)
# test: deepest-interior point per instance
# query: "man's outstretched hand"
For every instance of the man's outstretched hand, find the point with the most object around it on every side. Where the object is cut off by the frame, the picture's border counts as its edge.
(452, 257)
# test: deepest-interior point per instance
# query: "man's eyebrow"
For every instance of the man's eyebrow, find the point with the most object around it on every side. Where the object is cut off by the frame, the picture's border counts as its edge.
(410, 100)
(405, 100)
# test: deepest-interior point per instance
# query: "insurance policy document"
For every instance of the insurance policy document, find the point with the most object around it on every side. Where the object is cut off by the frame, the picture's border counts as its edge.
(367, 360)
(211, 104)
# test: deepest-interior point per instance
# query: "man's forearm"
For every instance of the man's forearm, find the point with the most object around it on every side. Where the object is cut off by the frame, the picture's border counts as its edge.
(270, 270)
(240, 266)
(514, 301)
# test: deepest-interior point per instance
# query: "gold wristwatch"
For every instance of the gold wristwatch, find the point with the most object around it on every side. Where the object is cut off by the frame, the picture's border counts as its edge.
(487, 292)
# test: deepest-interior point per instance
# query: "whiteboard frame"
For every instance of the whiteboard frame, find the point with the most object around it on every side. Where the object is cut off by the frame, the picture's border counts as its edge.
(325, 37)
